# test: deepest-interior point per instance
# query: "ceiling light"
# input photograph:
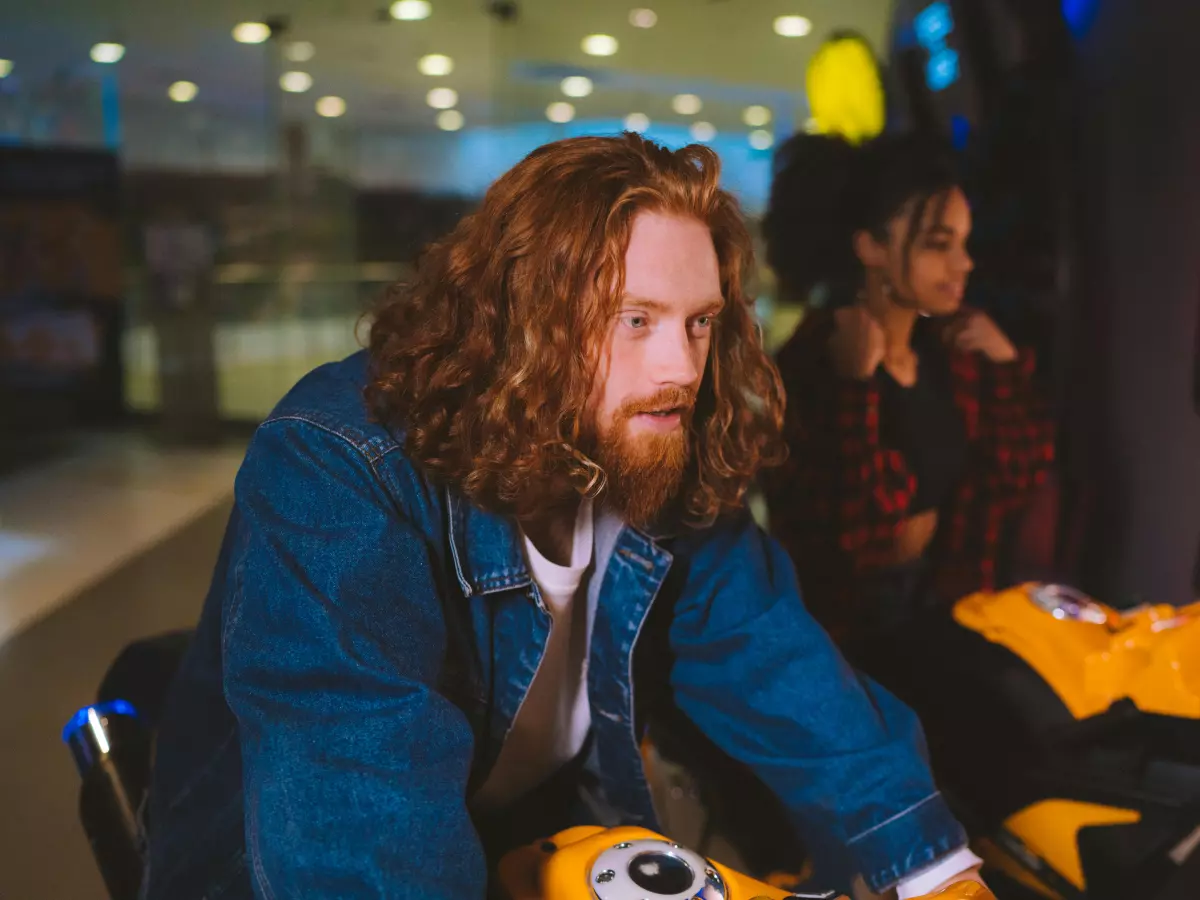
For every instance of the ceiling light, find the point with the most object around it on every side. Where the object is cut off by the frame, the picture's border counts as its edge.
(792, 26)
(251, 32)
(183, 91)
(560, 112)
(435, 64)
(637, 122)
(331, 107)
(576, 86)
(761, 139)
(756, 116)
(108, 53)
(442, 98)
(450, 120)
(643, 18)
(411, 10)
(300, 51)
(295, 82)
(703, 131)
(599, 45)
(687, 104)
(6, 68)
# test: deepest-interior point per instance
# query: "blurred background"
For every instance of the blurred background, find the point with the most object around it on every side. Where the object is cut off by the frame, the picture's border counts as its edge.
(198, 202)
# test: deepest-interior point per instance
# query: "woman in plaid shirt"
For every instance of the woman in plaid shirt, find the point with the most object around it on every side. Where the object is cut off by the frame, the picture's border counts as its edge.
(915, 430)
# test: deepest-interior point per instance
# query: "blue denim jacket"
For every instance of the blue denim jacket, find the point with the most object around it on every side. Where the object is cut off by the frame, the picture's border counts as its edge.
(369, 637)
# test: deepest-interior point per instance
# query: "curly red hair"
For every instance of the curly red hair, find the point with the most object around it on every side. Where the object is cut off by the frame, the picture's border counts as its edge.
(486, 360)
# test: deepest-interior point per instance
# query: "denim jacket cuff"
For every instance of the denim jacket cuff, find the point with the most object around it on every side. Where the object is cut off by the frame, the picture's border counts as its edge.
(909, 841)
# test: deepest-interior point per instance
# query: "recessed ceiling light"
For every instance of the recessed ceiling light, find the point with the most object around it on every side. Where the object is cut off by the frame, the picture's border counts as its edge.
(411, 10)
(687, 104)
(643, 18)
(300, 51)
(576, 86)
(599, 45)
(183, 91)
(108, 53)
(450, 120)
(435, 64)
(295, 82)
(638, 122)
(703, 131)
(560, 112)
(331, 107)
(761, 139)
(251, 32)
(793, 26)
(756, 116)
(6, 67)
(442, 98)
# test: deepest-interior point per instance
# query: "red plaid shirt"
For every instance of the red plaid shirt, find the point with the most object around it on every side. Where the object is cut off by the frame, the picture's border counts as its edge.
(840, 501)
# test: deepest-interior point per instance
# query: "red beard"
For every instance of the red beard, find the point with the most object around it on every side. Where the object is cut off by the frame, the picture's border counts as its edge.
(645, 470)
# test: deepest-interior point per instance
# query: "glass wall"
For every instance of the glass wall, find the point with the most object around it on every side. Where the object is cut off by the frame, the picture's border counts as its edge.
(277, 173)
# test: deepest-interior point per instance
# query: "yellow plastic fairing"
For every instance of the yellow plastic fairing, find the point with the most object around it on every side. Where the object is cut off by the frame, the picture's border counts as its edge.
(574, 865)
(1051, 828)
(1150, 655)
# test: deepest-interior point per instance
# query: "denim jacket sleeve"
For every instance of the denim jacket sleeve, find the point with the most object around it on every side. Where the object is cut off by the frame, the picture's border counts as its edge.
(354, 767)
(756, 673)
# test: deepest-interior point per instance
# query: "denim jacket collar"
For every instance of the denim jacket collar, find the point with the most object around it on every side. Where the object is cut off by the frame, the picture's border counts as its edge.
(488, 556)
(486, 547)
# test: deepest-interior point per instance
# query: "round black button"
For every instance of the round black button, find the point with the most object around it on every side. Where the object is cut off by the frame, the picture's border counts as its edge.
(661, 873)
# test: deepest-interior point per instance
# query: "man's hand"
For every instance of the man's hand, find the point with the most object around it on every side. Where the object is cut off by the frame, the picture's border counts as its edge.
(857, 345)
(859, 890)
(975, 332)
(968, 875)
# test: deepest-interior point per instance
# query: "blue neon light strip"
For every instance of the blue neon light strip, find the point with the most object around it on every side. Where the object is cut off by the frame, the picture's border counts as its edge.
(112, 708)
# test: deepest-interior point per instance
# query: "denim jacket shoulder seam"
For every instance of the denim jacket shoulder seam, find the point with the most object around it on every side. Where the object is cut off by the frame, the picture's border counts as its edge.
(370, 454)
(229, 616)
(255, 853)
(896, 817)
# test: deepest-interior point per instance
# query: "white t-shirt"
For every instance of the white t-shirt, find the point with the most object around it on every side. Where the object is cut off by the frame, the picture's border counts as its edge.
(552, 724)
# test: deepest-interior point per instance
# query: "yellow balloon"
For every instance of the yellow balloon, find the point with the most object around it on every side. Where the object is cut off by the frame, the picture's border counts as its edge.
(845, 91)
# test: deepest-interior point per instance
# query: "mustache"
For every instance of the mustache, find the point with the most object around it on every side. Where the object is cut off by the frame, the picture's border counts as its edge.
(679, 398)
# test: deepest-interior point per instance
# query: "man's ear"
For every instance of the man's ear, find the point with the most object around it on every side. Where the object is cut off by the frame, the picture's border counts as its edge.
(870, 252)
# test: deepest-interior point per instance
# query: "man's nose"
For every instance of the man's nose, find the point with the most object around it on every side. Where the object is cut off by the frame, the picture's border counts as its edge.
(674, 359)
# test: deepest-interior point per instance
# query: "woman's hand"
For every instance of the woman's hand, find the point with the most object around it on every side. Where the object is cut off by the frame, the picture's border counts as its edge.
(974, 332)
(915, 535)
(857, 344)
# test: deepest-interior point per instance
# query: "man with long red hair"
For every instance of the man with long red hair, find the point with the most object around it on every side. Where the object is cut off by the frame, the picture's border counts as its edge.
(466, 566)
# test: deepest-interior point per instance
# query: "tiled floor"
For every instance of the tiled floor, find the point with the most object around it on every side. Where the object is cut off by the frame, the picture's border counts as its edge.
(95, 551)
(54, 667)
(67, 524)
